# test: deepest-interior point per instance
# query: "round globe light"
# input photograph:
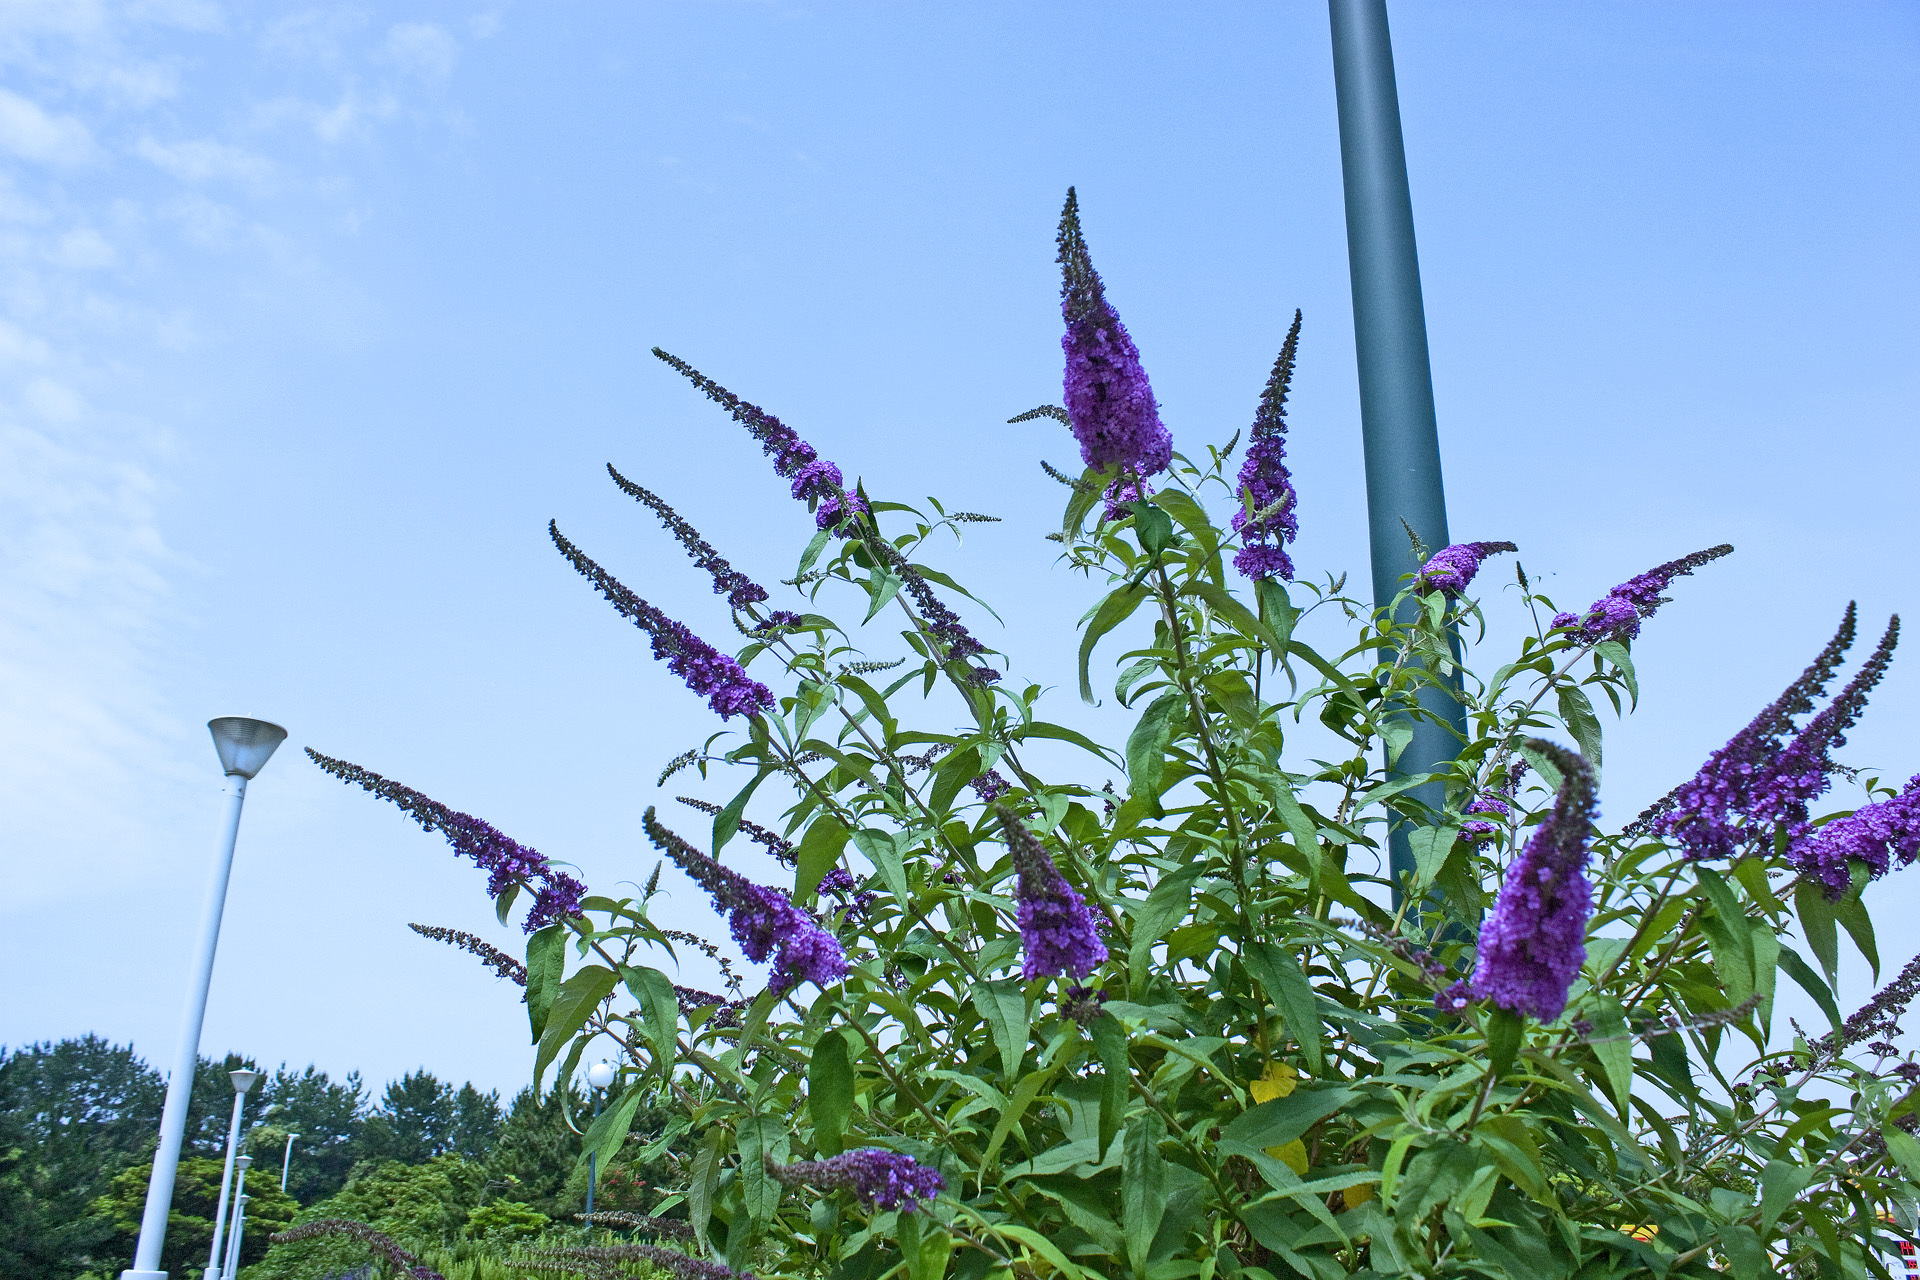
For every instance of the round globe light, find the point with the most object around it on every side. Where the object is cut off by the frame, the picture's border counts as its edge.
(601, 1074)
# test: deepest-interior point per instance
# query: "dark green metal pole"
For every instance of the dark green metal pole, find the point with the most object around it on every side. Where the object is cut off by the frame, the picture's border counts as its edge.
(1397, 426)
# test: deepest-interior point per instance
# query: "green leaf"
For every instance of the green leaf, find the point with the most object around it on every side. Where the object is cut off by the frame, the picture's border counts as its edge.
(1576, 712)
(1276, 1123)
(1902, 1146)
(1147, 745)
(1802, 972)
(1112, 611)
(1727, 934)
(954, 772)
(1165, 907)
(761, 1138)
(1613, 1047)
(1279, 973)
(727, 821)
(830, 1083)
(1430, 847)
(705, 1172)
(882, 587)
(1817, 921)
(818, 852)
(1153, 527)
(1781, 1182)
(1853, 917)
(660, 1008)
(1505, 1030)
(812, 553)
(1110, 1043)
(1017, 1103)
(546, 961)
(1143, 1187)
(1041, 729)
(1744, 1254)
(608, 1132)
(1277, 609)
(1004, 1006)
(1221, 601)
(573, 1003)
(880, 850)
(503, 905)
(1616, 653)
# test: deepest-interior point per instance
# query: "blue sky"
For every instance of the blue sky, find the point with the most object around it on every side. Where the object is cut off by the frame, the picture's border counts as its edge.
(311, 318)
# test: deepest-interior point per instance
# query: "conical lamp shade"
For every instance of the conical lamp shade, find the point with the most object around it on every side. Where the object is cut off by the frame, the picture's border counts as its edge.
(245, 745)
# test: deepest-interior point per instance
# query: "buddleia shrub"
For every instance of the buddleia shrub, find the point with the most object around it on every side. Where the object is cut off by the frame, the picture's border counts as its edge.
(1267, 1008)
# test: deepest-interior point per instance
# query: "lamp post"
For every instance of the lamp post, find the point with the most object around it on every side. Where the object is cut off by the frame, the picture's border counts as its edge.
(1397, 425)
(286, 1161)
(244, 747)
(239, 1226)
(599, 1076)
(242, 1082)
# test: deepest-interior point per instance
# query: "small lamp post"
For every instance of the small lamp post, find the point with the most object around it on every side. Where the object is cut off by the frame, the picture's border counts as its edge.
(242, 1082)
(286, 1161)
(245, 746)
(239, 1219)
(599, 1076)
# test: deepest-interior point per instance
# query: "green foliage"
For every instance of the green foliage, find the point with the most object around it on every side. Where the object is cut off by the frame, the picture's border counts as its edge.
(1268, 1090)
(503, 1220)
(196, 1197)
(420, 1117)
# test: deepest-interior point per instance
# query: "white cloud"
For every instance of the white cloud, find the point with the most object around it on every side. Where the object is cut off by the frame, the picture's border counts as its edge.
(424, 49)
(84, 249)
(29, 132)
(203, 159)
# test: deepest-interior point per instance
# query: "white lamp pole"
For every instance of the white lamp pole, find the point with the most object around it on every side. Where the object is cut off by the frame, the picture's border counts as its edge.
(242, 1081)
(244, 746)
(286, 1162)
(599, 1076)
(239, 1226)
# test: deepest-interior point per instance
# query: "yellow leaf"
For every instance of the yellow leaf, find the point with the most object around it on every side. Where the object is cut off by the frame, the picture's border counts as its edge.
(1354, 1197)
(1277, 1081)
(1291, 1154)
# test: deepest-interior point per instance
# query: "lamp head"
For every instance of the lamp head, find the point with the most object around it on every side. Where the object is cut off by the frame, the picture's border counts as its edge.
(244, 1163)
(242, 1080)
(244, 744)
(601, 1074)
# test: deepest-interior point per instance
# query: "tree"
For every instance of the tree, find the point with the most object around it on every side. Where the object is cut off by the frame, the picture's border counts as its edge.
(538, 1151)
(326, 1115)
(196, 1196)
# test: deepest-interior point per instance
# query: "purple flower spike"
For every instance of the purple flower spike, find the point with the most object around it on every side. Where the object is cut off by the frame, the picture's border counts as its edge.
(556, 896)
(1699, 813)
(764, 921)
(815, 480)
(1533, 944)
(1451, 569)
(1805, 769)
(1110, 406)
(882, 1179)
(1056, 929)
(1618, 614)
(989, 786)
(1877, 835)
(715, 676)
(1266, 521)
(737, 587)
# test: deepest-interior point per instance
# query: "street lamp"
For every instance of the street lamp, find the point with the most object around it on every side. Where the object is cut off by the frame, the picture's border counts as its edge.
(244, 746)
(242, 1082)
(287, 1161)
(599, 1076)
(239, 1222)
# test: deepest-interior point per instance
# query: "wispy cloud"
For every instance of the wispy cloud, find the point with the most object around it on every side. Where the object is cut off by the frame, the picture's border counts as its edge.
(32, 133)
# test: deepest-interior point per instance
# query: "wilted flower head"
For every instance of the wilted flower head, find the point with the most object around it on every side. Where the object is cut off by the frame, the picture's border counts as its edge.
(883, 1179)
(1451, 569)
(1266, 521)
(716, 676)
(1109, 403)
(763, 921)
(1533, 944)
(815, 480)
(1877, 836)
(1056, 929)
(737, 587)
(1618, 614)
(556, 895)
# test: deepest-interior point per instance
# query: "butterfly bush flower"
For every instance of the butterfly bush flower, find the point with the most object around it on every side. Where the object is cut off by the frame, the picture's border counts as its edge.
(1618, 614)
(376, 1242)
(1701, 814)
(1122, 494)
(989, 786)
(815, 480)
(882, 1179)
(740, 590)
(556, 895)
(1266, 521)
(715, 676)
(1496, 802)
(1533, 944)
(1451, 569)
(764, 921)
(1110, 405)
(1056, 929)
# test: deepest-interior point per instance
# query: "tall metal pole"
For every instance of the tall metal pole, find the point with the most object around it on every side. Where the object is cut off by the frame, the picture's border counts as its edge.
(1397, 425)
(286, 1161)
(244, 746)
(242, 1082)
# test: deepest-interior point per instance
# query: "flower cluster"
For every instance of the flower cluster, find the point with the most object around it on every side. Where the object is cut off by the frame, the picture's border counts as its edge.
(491, 956)
(781, 849)
(1496, 802)
(1266, 521)
(1122, 494)
(882, 1179)
(815, 480)
(989, 786)
(1805, 769)
(556, 895)
(737, 587)
(955, 642)
(853, 899)
(1109, 402)
(1876, 835)
(715, 676)
(1618, 614)
(763, 921)
(1451, 569)
(726, 1013)
(380, 1244)
(1056, 929)
(604, 1262)
(1533, 944)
